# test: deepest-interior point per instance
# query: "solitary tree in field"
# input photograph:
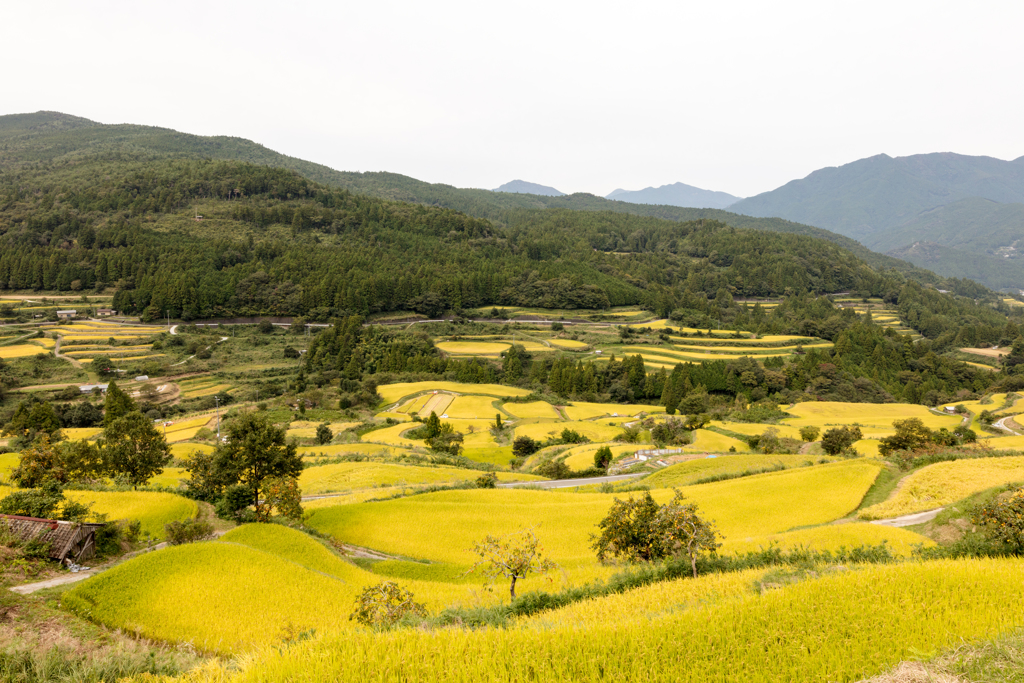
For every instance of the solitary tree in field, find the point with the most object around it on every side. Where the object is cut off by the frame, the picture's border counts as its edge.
(133, 447)
(836, 440)
(255, 450)
(641, 530)
(323, 434)
(512, 557)
(385, 604)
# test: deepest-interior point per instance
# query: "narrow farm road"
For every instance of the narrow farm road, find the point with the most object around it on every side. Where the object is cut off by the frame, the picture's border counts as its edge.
(569, 483)
(910, 520)
(1001, 424)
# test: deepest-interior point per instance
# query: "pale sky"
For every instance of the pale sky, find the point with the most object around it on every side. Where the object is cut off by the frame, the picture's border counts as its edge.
(583, 96)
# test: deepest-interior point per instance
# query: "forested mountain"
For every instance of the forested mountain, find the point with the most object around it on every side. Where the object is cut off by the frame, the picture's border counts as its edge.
(873, 195)
(908, 206)
(80, 210)
(676, 194)
(523, 187)
(49, 136)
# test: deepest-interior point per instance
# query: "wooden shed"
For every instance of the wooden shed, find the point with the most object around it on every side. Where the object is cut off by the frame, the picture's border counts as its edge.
(66, 540)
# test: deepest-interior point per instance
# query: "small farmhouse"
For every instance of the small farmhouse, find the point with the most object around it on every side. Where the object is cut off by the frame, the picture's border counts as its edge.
(67, 315)
(65, 540)
(105, 312)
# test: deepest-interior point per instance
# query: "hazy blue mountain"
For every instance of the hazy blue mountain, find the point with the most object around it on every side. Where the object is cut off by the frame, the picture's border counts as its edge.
(676, 194)
(870, 196)
(523, 187)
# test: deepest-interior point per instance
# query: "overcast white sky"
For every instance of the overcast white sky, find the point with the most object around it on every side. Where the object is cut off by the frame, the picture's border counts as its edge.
(584, 96)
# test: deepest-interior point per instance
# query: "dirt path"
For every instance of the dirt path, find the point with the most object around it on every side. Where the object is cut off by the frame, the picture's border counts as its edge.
(1001, 424)
(910, 520)
(56, 354)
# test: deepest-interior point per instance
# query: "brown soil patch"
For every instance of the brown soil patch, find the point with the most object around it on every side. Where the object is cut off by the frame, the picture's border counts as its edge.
(988, 353)
(914, 672)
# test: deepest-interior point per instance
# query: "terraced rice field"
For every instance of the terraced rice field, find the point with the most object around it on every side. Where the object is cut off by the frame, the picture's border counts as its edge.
(304, 429)
(333, 450)
(537, 409)
(846, 626)
(691, 471)
(833, 537)
(183, 450)
(154, 510)
(581, 410)
(947, 482)
(205, 593)
(473, 348)
(76, 433)
(568, 344)
(582, 457)
(751, 429)
(750, 507)
(875, 419)
(20, 351)
(707, 441)
(594, 431)
(393, 392)
(349, 476)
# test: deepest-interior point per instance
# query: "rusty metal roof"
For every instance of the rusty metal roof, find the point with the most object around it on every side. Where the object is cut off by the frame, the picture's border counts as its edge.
(60, 536)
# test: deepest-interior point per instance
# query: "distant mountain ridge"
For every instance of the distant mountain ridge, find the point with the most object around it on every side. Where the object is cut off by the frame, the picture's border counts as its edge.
(958, 215)
(524, 187)
(875, 194)
(676, 194)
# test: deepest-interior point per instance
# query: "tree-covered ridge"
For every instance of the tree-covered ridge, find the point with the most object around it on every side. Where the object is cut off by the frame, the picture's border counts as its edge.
(48, 137)
(273, 242)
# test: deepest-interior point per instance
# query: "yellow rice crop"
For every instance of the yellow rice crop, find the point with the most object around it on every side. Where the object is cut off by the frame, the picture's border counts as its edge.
(536, 409)
(345, 448)
(190, 423)
(392, 392)
(648, 602)
(152, 509)
(581, 410)
(875, 419)
(415, 405)
(707, 441)
(846, 626)
(347, 476)
(867, 447)
(690, 471)
(749, 429)
(241, 592)
(307, 430)
(76, 433)
(437, 404)
(184, 450)
(392, 436)
(205, 391)
(570, 344)
(185, 434)
(582, 457)
(45, 342)
(832, 537)
(473, 348)
(20, 351)
(947, 482)
(8, 461)
(472, 407)
(749, 507)
(170, 478)
(594, 431)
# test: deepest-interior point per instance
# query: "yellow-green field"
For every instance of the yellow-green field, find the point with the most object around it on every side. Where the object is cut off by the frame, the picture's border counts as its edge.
(874, 419)
(537, 409)
(473, 348)
(594, 431)
(748, 508)
(707, 441)
(392, 392)
(184, 450)
(154, 510)
(349, 476)
(690, 471)
(76, 433)
(20, 351)
(947, 482)
(847, 625)
(581, 410)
